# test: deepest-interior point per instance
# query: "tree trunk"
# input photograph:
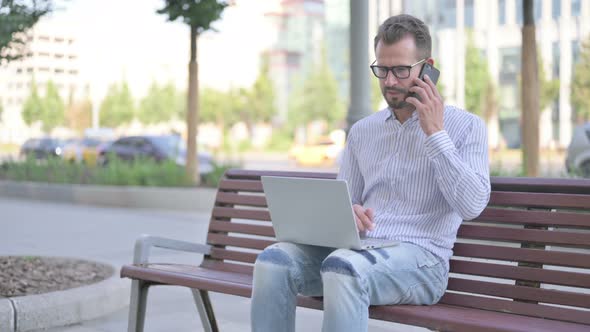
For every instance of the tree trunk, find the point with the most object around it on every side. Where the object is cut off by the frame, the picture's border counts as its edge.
(192, 167)
(530, 94)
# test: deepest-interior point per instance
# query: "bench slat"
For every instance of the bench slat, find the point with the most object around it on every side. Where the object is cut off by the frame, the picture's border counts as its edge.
(234, 241)
(481, 232)
(226, 226)
(563, 278)
(558, 258)
(214, 264)
(240, 199)
(519, 292)
(241, 185)
(516, 307)
(228, 212)
(540, 200)
(238, 256)
(529, 217)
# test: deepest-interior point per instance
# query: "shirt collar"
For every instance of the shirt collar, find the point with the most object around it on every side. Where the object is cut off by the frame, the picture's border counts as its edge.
(388, 114)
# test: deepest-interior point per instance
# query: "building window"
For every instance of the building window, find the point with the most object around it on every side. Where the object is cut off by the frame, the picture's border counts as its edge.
(19, 70)
(58, 39)
(58, 71)
(518, 11)
(43, 54)
(556, 54)
(576, 7)
(502, 12)
(555, 9)
(72, 57)
(43, 69)
(44, 38)
(469, 13)
(73, 72)
(58, 56)
(29, 70)
(448, 14)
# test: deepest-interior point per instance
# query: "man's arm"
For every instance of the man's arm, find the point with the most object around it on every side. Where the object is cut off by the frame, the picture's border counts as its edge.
(462, 175)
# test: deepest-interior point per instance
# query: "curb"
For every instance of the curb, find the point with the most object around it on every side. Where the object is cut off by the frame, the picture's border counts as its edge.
(60, 308)
(167, 198)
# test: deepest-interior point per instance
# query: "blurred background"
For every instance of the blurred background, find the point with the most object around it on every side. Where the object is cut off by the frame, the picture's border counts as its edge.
(92, 84)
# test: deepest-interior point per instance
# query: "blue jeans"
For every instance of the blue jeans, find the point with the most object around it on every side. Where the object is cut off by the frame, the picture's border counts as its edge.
(349, 281)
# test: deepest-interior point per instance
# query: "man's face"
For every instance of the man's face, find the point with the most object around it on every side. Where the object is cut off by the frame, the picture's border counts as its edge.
(401, 53)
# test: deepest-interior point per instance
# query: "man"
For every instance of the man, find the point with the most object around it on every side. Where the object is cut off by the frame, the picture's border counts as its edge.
(415, 170)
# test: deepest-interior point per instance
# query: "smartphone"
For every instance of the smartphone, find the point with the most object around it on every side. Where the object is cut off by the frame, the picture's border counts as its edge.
(427, 69)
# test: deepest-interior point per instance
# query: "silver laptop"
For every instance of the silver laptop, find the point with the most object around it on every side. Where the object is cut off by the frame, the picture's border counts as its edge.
(315, 211)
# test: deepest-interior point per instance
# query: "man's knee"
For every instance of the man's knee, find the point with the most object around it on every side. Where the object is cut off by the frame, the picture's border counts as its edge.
(275, 254)
(339, 265)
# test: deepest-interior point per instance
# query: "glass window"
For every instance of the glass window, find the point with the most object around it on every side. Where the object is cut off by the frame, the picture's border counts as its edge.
(518, 11)
(502, 12)
(576, 7)
(469, 13)
(556, 9)
(448, 14)
(556, 54)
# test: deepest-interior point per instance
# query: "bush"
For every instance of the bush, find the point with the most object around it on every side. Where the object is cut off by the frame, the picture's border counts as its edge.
(141, 172)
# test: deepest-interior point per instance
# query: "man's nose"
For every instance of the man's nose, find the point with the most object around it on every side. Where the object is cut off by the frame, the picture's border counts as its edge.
(390, 79)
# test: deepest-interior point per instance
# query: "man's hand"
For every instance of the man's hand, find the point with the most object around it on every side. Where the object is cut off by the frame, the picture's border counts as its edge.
(430, 106)
(364, 218)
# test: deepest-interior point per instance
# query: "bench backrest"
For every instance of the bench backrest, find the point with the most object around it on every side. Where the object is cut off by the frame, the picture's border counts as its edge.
(528, 252)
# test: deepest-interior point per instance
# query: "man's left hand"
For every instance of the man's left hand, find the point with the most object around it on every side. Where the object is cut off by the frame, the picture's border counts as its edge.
(430, 106)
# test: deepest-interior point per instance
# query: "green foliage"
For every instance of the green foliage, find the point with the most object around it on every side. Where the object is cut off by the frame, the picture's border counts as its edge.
(261, 98)
(161, 104)
(477, 77)
(219, 107)
(33, 106)
(143, 172)
(581, 83)
(317, 98)
(197, 14)
(117, 108)
(376, 94)
(212, 179)
(280, 141)
(53, 109)
(549, 88)
(16, 17)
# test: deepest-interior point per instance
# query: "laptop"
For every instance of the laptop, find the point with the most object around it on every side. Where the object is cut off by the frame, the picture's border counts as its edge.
(316, 212)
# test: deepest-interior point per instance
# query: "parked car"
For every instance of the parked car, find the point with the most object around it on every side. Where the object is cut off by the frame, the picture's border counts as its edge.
(577, 160)
(41, 148)
(158, 148)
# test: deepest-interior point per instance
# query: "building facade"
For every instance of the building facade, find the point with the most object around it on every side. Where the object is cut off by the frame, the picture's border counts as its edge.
(52, 55)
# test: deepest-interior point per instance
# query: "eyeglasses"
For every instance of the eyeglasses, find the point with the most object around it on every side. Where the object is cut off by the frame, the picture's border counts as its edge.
(398, 71)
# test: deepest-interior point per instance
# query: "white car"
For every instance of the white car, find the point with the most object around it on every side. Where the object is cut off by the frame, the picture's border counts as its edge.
(578, 152)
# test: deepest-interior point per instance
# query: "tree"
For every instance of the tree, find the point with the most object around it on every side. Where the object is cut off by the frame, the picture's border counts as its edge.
(478, 76)
(317, 98)
(117, 108)
(198, 15)
(79, 113)
(53, 110)
(261, 97)
(581, 84)
(218, 107)
(16, 17)
(33, 106)
(161, 104)
(530, 93)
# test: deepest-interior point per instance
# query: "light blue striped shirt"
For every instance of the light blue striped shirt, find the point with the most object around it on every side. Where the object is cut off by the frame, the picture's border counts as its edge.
(420, 188)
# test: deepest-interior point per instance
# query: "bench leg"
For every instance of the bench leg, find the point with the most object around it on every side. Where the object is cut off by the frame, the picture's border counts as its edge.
(139, 293)
(205, 310)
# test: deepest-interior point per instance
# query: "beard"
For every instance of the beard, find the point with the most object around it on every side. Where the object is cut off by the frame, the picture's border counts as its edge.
(396, 102)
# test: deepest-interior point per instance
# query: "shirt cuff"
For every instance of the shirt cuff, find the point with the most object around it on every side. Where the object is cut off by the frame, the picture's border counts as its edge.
(438, 143)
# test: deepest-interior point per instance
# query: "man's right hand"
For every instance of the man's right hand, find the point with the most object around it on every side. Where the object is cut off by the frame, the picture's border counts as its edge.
(364, 218)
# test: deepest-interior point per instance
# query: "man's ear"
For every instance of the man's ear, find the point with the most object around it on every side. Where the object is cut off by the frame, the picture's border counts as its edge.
(430, 61)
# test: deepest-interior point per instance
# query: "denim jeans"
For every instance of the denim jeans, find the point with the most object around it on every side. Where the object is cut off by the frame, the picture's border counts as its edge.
(349, 281)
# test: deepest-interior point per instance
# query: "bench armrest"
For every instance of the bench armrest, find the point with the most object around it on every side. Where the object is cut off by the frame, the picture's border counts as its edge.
(145, 242)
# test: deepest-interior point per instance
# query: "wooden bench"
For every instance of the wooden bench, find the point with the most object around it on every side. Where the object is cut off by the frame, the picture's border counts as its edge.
(522, 265)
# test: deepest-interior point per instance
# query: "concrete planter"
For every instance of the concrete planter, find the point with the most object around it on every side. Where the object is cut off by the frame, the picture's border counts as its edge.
(188, 199)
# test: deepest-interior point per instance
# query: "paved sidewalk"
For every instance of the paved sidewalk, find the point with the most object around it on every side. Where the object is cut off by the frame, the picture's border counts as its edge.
(108, 234)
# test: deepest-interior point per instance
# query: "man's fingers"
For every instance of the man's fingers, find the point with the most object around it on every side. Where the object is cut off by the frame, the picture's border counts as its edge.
(363, 218)
(359, 224)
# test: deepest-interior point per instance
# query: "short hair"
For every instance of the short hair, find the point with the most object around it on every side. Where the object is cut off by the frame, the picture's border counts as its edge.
(398, 27)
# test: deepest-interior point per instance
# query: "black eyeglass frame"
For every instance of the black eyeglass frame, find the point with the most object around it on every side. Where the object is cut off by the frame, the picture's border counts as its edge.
(393, 69)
